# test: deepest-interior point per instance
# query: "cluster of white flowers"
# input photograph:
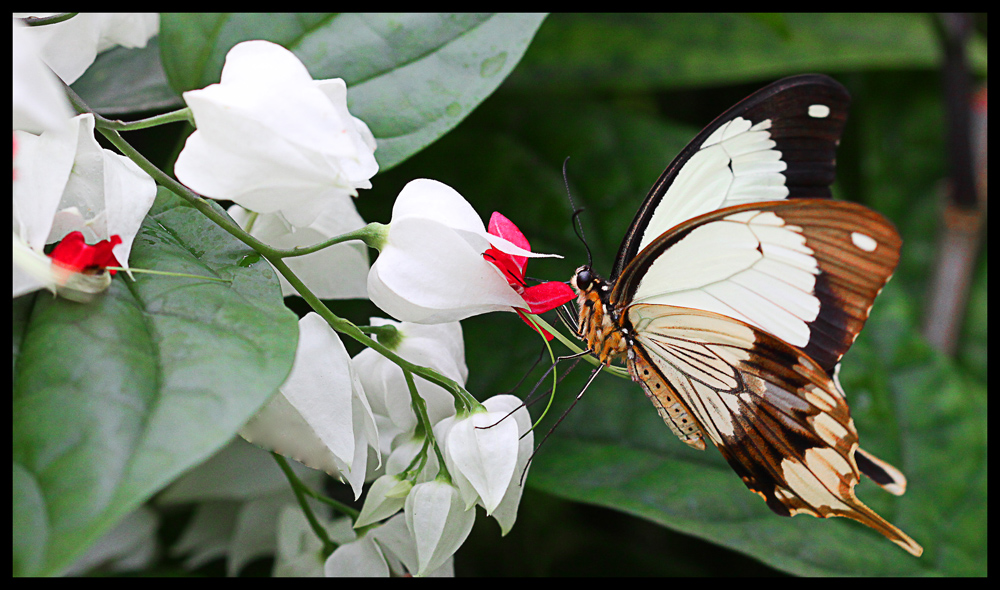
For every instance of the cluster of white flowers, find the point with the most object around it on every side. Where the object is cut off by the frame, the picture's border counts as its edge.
(285, 149)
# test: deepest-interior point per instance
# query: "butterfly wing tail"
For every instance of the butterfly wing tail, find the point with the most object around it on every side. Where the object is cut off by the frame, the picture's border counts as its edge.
(888, 477)
(866, 516)
(817, 498)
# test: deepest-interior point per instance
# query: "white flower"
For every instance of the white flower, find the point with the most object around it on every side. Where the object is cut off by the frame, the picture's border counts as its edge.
(320, 416)
(71, 46)
(361, 558)
(65, 182)
(439, 347)
(431, 268)
(272, 139)
(506, 511)
(487, 453)
(481, 451)
(384, 550)
(438, 522)
(129, 546)
(40, 102)
(385, 498)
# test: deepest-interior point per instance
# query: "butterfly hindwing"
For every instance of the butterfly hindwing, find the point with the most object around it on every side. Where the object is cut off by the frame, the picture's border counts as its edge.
(772, 411)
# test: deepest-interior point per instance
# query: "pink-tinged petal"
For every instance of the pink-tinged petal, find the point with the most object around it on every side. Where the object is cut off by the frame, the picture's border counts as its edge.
(504, 228)
(546, 296)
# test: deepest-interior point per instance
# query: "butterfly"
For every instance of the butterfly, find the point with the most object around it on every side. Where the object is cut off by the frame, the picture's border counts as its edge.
(736, 291)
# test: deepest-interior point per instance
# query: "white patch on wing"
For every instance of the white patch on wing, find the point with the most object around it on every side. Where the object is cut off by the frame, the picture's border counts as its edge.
(749, 266)
(737, 164)
(864, 241)
(819, 111)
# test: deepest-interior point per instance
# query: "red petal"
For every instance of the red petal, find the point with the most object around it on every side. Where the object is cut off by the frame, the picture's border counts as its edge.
(546, 296)
(73, 253)
(504, 228)
(509, 268)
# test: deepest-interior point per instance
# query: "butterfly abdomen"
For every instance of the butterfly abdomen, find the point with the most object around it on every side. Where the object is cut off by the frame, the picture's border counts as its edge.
(668, 403)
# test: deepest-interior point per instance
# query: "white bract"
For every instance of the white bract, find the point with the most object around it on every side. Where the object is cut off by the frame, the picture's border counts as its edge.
(274, 140)
(431, 268)
(65, 181)
(385, 498)
(240, 499)
(71, 46)
(381, 551)
(39, 99)
(486, 455)
(439, 347)
(438, 522)
(320, 416)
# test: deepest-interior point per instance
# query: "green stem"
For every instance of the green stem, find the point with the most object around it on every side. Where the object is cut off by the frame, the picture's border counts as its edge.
(420, 407)
(570, 344)
(298, 487)
(273, 255)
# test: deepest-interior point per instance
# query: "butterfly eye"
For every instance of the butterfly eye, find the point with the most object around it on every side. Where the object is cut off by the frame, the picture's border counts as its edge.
(584, 278)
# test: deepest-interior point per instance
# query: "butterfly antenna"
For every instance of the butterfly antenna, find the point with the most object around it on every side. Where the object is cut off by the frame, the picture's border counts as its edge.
(575, 219)
(530, 399)
(559, 421)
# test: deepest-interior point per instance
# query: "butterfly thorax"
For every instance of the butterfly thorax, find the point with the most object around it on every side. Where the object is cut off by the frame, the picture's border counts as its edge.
(600, 324)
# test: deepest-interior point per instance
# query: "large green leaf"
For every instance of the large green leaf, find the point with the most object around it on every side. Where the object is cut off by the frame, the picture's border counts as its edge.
(115, 398)
(410, 77)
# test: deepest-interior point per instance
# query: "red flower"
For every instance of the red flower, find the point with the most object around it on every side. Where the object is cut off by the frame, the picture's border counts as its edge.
(74, 254)
(540, 298)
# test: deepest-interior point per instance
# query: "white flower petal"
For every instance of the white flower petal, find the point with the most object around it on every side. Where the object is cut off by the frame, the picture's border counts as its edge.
(361, 558)
(320, 412)
(336, 272)
(439, 347)
(506, 511)
(383, 500)
(438, 522)
(270, 139)
(430, 199)
(39, 100)
(428, 274)
(483, 448)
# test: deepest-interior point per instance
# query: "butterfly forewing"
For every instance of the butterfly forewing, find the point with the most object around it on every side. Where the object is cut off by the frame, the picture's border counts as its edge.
(778, 143)
(806, 271)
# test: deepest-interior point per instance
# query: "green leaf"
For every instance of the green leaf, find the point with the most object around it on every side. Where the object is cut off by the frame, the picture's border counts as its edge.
(115, 398)
(410, 77)
(127, 80)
